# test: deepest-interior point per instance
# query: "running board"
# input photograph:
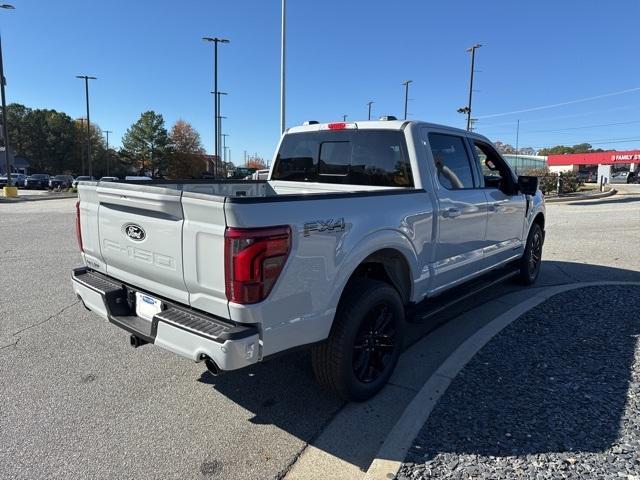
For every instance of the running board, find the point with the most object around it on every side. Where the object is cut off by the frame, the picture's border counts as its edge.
(430, 307)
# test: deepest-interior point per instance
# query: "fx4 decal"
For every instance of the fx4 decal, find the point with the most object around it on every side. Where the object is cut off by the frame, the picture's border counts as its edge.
(330, 225)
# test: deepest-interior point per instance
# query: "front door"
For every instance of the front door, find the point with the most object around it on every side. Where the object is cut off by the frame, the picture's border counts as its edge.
(505, 204)
(462, 210)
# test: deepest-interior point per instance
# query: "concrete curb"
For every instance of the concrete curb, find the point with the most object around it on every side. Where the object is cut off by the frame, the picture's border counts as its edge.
(394, 449)
(594, 196)
(37, 198)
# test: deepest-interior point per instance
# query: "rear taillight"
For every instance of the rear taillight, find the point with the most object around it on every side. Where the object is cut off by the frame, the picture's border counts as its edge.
(253, 260)
(78, 228)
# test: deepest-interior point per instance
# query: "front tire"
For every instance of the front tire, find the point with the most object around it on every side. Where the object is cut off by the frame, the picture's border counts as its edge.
(365, 342)
(532, 257)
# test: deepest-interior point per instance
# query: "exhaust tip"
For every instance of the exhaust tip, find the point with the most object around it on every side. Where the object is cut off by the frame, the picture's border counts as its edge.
(212, 367)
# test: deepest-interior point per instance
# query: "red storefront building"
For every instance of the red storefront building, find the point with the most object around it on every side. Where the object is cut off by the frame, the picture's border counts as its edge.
(597, 166)
(629, 160)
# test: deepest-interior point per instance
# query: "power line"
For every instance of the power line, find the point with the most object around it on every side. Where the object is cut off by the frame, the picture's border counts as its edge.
(562, 117)
(561, 104)
(564, 130)
(603, 141)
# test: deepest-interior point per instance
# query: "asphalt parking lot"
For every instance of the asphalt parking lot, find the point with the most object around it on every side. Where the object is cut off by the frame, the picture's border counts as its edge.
(77, 402)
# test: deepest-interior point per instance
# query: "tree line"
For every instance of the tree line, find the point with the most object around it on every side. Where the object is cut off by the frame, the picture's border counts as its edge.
(55, 143)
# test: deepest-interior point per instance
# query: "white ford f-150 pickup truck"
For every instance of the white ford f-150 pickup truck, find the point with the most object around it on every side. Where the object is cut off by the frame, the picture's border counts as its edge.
(356, 223)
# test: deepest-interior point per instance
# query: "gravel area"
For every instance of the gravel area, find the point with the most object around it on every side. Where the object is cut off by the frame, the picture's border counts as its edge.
(555, 395)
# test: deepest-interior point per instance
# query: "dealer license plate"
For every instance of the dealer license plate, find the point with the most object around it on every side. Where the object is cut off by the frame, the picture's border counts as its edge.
(146, 306)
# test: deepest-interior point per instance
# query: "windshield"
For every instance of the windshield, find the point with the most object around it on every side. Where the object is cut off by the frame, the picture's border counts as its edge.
(39, 176)
(366, 157)
(60, 177)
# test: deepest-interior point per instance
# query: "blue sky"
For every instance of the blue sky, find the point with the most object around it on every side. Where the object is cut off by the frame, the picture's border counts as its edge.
(341, 54)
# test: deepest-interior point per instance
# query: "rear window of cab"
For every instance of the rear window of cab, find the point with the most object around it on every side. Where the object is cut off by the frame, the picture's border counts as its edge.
(355, 157)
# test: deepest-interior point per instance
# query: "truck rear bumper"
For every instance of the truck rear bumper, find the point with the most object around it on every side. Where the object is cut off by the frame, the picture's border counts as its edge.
(176, 328)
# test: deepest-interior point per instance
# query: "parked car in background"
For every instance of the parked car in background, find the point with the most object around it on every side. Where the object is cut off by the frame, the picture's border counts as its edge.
(587, 176)
(81, 178)
(623, 177)
(137, 178)
(37, 181)
(109, 179)
(17, 180)
(61, 181)
(259, 175)
(241, 173)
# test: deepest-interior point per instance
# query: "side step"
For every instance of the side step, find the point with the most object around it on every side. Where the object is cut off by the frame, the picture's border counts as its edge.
(430, 307)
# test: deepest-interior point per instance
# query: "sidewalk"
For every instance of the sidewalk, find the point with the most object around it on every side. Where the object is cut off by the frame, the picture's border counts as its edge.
(556, 394)
(37, 195)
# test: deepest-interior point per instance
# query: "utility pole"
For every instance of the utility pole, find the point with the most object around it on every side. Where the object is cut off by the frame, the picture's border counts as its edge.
(108, 155)
(369, 104)
(245, 157)
(473, 61)
(224, 146)
(517, 141)
(282, 64)
(86, 79)
(5, 130)
(406, 96)
(216, 113)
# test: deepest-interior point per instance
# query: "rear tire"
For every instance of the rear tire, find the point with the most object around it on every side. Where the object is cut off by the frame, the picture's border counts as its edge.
(532, 257)
(365, 342)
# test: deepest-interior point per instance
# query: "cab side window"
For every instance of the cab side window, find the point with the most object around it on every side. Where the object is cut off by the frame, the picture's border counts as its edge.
(451, 161)
(495, 171)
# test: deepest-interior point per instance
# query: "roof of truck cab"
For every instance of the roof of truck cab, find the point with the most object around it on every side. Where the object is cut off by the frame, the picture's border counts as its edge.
(379, 125)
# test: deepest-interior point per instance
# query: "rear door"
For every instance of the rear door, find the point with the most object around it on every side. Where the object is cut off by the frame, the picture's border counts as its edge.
(461, 210)
(140, 233)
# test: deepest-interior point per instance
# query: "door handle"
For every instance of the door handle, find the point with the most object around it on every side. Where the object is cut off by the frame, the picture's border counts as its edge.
(451, 213)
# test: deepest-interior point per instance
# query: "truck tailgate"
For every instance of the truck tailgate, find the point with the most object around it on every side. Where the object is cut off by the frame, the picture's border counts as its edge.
(140, 234)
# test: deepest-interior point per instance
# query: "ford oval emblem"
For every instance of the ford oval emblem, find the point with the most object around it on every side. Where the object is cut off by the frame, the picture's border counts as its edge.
(134, 232)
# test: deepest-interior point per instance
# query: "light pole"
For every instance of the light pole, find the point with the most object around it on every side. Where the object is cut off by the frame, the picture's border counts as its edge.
(218, 129)
(5, 130)
(473, 61)
(406, 96)
(215, 41)
(344, 118)
(369, 104)
(282, 64)
(86, 95)
(107, 132)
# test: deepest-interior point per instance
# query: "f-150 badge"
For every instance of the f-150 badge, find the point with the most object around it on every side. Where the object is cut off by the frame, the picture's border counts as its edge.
(330, 225)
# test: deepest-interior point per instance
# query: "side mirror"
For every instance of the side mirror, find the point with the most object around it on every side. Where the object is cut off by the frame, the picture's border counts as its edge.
(528, 185)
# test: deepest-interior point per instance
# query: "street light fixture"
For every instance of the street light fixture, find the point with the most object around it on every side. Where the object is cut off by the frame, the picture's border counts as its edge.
(467, 110)
(406, 96)
(86, 79)
(5, 132)
(215, 41)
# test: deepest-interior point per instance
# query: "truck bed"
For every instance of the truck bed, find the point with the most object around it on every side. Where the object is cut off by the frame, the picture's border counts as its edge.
(221, 189)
